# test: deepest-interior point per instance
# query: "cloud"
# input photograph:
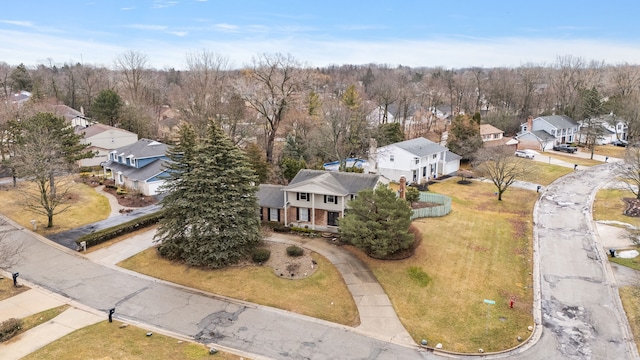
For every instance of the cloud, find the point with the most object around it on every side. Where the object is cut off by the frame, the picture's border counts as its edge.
(28, 24)
(161, 4)
(147, 27)
(127, 8)
(225, 27)
(178, 33)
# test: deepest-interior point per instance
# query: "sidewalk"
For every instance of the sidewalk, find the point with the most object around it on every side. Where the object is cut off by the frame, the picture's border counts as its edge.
(32, 302)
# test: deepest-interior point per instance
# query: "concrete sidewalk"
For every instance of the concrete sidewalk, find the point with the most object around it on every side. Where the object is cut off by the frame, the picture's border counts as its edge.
(69, 321)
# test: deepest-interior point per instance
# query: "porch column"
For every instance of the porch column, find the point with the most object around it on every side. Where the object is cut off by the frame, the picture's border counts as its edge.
(313, 212)
(286, 206)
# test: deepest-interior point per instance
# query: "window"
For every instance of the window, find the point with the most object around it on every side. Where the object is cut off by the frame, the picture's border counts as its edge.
(424, 171)
(120, 178)
(303, 196)
(274, 214)
(330, 199)
(135, 185)
(303, 214)
(391, 157)
(417, 160)
(261, 214)
(435, 156)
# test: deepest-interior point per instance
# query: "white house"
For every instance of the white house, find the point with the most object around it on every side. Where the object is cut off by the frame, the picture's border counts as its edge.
(545, 131)
(418, 160)
(104, 138)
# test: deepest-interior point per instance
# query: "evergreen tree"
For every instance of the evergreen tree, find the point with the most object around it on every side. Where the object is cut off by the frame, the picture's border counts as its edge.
(377, 222)
(107, 107)
(211, 210)
(258, 162)
(464, 137)
(20, 79)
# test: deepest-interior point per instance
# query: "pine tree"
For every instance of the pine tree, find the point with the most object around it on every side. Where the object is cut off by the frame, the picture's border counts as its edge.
(377, 222)
(211, 210)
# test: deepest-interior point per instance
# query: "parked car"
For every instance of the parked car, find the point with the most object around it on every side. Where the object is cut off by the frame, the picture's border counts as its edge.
(524, 154)
(565, 147)
(622, 143)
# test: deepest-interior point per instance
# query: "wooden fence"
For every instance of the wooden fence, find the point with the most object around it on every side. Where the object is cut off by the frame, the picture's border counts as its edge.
(434, 211)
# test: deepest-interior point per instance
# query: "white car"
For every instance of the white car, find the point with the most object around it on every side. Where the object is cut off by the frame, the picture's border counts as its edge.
(524, 154)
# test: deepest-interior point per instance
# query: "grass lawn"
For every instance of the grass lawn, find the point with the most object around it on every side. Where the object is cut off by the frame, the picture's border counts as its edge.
(544, 174)
(481, 250)
(608, 205)
(322, 295)
(610, 151)
(106, 340)
(88, 206)
(571, 159)
(630, 296)
(7, 289)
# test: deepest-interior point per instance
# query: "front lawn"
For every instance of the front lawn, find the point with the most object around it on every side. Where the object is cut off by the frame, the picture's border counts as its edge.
(106, 340)
(481, 250)
(608, 205)
(322, 295)
(88, 206)
(544, 174)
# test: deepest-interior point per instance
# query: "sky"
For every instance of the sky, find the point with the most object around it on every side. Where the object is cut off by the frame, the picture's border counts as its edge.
(415, 33)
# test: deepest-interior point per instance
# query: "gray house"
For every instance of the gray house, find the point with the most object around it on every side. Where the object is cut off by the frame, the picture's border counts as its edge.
(545, 131)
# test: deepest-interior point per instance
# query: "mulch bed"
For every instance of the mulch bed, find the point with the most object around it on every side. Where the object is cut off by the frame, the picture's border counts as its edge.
(633, 207)
(422, 205)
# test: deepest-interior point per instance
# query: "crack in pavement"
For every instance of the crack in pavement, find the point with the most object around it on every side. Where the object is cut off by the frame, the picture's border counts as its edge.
(572, 326)
(553, 280)
(211, 322)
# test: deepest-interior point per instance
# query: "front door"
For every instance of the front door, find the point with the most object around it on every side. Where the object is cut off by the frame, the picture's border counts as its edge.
(332, 218)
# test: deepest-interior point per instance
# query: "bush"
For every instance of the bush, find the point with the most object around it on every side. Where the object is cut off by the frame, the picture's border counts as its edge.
(413, 194)
(295, 251)
(103, 235)
(260, 255)
(9, 328)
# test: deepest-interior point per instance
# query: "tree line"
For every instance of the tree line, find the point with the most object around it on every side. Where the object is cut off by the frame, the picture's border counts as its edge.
(288, 112)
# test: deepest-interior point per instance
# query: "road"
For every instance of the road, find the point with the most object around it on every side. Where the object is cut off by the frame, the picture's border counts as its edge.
(578, 315)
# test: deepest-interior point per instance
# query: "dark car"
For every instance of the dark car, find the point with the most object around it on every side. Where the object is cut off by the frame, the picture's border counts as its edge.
(622, 143)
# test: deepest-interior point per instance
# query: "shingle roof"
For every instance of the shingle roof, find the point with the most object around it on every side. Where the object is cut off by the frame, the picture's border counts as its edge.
(559, 121)
(143, 148)
(339, 183)
(421, 147)
(97, 129)
(270, 196)
(143, 174)
(449, 156)
(486, 129)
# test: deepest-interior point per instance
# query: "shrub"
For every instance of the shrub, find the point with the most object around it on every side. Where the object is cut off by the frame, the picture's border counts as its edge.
(121, 191)
(294, 251)
(419, 276)
(9, 328)
(413, 194)
(103, 235)
(260, 255)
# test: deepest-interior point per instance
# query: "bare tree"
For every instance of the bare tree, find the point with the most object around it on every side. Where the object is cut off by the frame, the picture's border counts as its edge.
(203, 88)
(499, 165)
(132, 66)
(270, 88)
(630, 170)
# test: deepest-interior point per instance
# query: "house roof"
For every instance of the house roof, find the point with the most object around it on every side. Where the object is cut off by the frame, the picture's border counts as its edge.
(145, 173)
(486, 129)
(558, 121)
(329, 182)
(98, 128)
(143, 148)
(504, 141)
(449, 156)
(67, 112)
(420, 147)
(540, 134)
(270, 196)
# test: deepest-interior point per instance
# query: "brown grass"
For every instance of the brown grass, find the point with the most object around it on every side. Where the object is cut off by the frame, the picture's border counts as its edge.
(630, 296)
(482, 250)
(88, 207)
(106, 340)
(610, 151)
(7, 289)
(322, 295)
(608, 205)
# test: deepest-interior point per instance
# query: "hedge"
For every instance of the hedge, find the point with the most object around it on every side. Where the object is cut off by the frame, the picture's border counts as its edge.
(9, 328)
(103, 235)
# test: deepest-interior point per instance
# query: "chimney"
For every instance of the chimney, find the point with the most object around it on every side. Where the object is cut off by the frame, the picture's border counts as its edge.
(403, 187)
(530, 123)
(373, 156)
